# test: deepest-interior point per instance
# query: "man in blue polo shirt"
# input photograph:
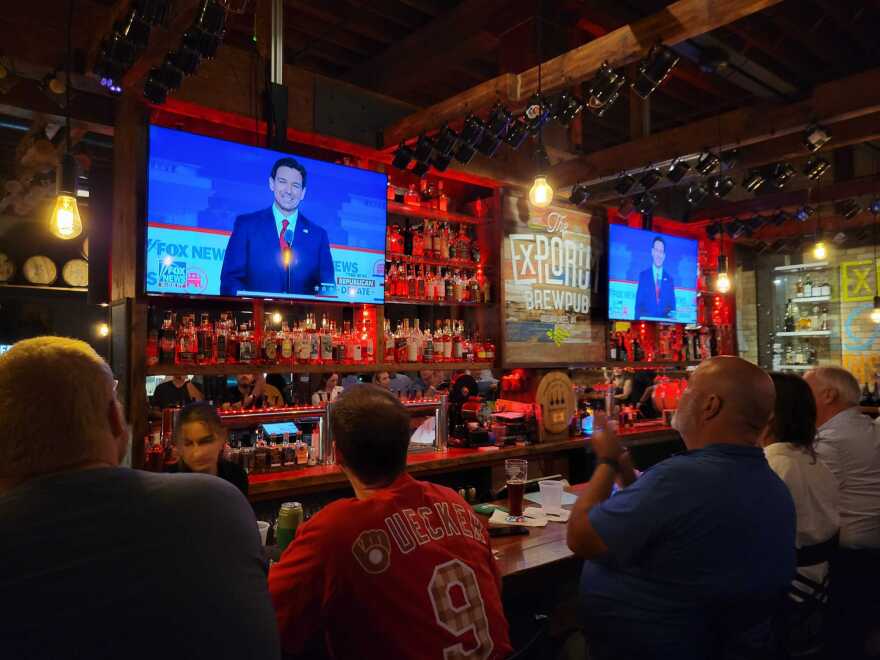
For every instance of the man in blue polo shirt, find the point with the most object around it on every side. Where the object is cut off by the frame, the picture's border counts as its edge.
(690, 559)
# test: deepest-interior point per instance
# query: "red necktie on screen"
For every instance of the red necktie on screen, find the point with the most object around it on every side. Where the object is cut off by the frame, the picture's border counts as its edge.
(282, 242)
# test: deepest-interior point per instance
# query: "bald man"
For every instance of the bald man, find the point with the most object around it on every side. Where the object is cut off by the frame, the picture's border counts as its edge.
(691, 558)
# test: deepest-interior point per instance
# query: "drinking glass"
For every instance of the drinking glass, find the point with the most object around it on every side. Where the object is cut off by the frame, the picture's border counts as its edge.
(517, 470)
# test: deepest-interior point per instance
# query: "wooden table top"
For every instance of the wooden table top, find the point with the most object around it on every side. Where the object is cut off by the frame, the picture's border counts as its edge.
(542, 546)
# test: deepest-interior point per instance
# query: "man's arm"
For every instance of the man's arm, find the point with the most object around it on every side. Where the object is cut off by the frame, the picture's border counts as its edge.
(582, 539)
(233, 275)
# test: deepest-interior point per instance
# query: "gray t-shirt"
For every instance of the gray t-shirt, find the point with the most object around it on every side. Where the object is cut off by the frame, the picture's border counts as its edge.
(119, 563)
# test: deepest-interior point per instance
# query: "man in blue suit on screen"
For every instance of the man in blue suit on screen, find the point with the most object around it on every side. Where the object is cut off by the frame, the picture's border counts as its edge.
(278, 250)
(655, 297)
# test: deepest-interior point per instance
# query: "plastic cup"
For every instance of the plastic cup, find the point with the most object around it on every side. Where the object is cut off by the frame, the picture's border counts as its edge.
(264, 530)
(551, 495)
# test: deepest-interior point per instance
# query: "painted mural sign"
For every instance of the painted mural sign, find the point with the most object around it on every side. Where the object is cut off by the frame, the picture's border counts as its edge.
(546, 262)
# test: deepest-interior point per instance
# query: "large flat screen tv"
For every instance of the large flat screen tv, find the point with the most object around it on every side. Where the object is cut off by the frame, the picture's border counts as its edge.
(227, 219)
(651, 276)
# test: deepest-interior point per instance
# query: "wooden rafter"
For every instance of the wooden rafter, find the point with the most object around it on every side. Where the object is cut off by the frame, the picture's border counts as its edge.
(679, 21)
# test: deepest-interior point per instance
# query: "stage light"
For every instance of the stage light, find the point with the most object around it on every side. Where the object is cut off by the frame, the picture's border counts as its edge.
(135, 30)
(440, 162)
(713, 60)
(421, 168)
(211, 18)
(536, 113)
(781, 174)
(875, 313)
(605, 89)
(445, 142)
(202, 42)
(472, 130)
(424, 147)
(696, 193)
(849, 208)
(624, 183)
(488, 145)
(579, 194)
(654, 69)
(815, 137)
(65, 222)
(819, 250)
(677, 170)
(645, 202)
(753, 181)
(650, 178)
(566, 108)
(153, 12)
(402, 156)
(736, 229)
(465, 153)
(707, 162)
(154, 91)
(541, 194)
(720, 186)
(185, 59)
(804, 213)
(499, 121)
(729, 159)
(517, 133)
(816, 167)
(722, 282)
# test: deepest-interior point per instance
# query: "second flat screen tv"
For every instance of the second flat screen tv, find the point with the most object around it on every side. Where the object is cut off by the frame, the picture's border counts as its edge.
(651, 276)
(228, 219)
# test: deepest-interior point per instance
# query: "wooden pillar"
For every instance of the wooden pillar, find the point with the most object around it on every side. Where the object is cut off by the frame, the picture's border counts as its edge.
(128, 357)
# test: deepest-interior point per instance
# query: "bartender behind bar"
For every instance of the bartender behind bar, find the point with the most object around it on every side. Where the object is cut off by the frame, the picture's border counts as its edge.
(177, 392)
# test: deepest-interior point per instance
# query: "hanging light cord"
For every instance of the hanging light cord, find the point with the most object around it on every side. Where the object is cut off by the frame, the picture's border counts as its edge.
(67, 71)
(538, 38)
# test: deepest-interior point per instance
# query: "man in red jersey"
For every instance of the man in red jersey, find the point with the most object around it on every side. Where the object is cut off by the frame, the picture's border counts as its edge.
(403, 570)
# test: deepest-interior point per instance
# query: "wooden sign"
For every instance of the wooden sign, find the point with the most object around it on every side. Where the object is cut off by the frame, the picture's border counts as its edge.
(547, 258)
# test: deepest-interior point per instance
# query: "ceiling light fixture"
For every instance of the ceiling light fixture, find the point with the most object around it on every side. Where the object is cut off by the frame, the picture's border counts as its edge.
(624, 184)
(402, 156)
(720, 186)
(580, 194)
(815, 137)
(541, 193)
(816, 167)
(677, 170)
(566, 108)
(645, 202)
(707, 162)
(781, 174)
(696, 193)
(849, 208)
(753, 181)
(604, 89)
(654, 69)
(650, 178)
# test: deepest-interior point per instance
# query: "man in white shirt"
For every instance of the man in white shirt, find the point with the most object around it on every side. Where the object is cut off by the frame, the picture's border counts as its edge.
(849, 444)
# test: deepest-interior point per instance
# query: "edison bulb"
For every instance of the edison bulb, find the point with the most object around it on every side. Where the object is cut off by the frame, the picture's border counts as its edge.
(820, 251)
(276, 318)
(103, 330)
(66, 222)
(722, 284)
(541, 194)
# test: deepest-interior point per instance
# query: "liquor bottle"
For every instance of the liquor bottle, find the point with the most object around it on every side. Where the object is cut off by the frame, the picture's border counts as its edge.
(314, 340)
(788, 322)
(489, 347)
(457, 344)
(270, 345)
(799, 288)
(808, 285)
(168, 340)
(413, 343)
(479, 348)
(612, 346)
(390, 194)
(390, 349)
(245, 345)
(231, 339)
(206, 342)
(473, 289)
(428, 346)
(402, 282)
(438, 341)
(400, 341)
(418, 241)
(486, 289)
(420, 284)
(337, 345)
(356, 342)
(424, 194)
(442, 197)
(448, 286)
(412, 196)
(411, 282)
(439, 286)
(824, 320)
(444, 242)
(463, 244)
(326, 339)
(302, 344)
(286, 344)
(467, 347)
(187, 346)
(397, 240)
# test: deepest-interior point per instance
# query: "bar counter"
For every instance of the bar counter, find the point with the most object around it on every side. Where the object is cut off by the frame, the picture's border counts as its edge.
(292, 483)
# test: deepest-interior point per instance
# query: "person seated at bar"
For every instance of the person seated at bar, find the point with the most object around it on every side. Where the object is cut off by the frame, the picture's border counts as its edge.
(329, 390)
(200, 437)
(426, 383)
(173, 393)
(694, 556)
(403, 569)
(849, 444)
(101, 561)
(789, 446)
(382, 379)
(249, 391)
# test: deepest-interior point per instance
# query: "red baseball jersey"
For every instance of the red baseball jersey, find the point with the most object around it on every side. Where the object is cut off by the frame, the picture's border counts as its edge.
(407, 573)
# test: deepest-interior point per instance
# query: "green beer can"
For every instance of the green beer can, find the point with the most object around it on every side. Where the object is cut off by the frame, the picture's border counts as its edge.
(290, 515)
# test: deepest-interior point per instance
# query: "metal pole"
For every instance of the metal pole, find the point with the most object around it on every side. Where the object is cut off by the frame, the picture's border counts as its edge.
(276, 47)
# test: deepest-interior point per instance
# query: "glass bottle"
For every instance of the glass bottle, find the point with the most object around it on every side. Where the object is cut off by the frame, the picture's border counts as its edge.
(412, 196)
(245, 345)
(369, 350)
(188, 345)
(400, 341)
(286, 343)
(167, 341)
(457, 344)
(270, 345)
(413, 343)
(808, 286)
(418, 241)
(420, 284)
(428, 346)
(326, 339)
(231, 339)
(389, 343)
(314, 341)
(442, 198)
(205, 341)
(447, 341)
(152, 340)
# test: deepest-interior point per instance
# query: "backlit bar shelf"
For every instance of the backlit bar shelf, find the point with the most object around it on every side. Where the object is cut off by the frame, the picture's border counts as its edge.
(232, 369)
(411, 211)
(805, 333)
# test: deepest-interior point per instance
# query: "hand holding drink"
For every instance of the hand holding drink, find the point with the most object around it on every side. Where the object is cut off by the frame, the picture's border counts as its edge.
(517, 471)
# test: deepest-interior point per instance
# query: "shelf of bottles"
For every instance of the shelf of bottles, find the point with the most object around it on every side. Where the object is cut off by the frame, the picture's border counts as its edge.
(805, 315)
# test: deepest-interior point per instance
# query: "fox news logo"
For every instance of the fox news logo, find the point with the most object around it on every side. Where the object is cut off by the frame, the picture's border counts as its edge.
(175, 275)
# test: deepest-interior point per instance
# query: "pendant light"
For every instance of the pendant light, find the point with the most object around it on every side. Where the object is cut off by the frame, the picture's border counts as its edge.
(722, 282)
(541, 193)
(820, 250)
(65, 222)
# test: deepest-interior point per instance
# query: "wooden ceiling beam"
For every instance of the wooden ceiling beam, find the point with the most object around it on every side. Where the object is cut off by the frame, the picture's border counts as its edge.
(342, 16)
(390, 10)
(829, 103)
(462, 23)
(675, 23)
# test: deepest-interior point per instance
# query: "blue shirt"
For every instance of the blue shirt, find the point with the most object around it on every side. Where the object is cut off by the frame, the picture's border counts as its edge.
(696, 532)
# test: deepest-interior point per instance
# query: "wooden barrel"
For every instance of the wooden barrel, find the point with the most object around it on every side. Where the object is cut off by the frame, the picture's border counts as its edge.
(7, 268)
(40, 270)
(76, 273)
(555, 404)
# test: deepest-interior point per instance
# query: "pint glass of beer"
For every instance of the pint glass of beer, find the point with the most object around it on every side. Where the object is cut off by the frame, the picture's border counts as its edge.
(517, 470)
